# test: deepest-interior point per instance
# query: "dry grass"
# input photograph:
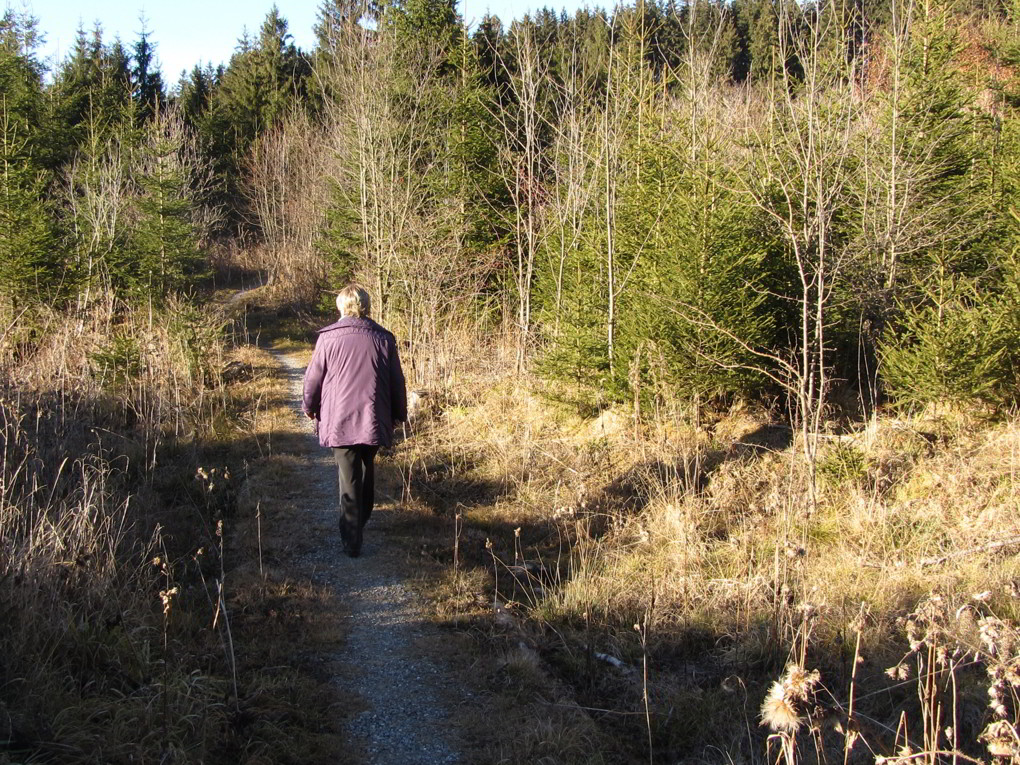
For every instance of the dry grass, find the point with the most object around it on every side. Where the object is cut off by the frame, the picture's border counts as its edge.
(93, 562)
(127, 437)
(579, 529)
(291, 713)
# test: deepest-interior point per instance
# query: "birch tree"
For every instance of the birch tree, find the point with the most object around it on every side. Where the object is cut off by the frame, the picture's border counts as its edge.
(96, 191)
(521, 159)
(798, 140)
(288, 194)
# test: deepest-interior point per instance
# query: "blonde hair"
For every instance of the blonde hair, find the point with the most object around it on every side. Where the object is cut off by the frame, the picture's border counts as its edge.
(354, 300)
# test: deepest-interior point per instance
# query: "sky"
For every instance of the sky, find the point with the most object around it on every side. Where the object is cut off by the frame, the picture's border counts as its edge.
(188, 32)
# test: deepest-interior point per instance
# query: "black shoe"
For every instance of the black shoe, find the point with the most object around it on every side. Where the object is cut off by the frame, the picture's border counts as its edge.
(351, 542)
(353, 546)
(346, 541)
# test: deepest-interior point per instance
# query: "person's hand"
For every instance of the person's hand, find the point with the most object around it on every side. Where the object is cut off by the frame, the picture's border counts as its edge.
(309, 415)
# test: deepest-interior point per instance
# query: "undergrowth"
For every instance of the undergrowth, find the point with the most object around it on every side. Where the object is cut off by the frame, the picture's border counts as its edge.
(656, 579)
(126, 436)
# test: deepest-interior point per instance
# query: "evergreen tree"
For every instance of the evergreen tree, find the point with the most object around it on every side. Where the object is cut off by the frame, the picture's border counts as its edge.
(280, 69)
(21, 82)
(29, 263)
(266, 77)
(163, 255)
(339, 243)
(927, 208)
(336, 21)
(955, 348)
(146, 79)
(691, 297)
(697, 299)
(473, 175)
(91, 89)
(94, 211)
(194, 93)
(488, 41)
(240, 101)
(333, 17)
(427, 27)
(760, 22)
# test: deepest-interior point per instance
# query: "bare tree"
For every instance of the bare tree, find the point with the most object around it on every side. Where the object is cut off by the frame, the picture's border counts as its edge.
(521, 160)
(389, 145)
(382, 149)
(574, 176)
(797, 171)
(97, 191)
(906, 150)
(187, 159)
(288, 191)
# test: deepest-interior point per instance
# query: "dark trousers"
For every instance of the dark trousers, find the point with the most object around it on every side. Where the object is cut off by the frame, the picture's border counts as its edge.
(356, 472)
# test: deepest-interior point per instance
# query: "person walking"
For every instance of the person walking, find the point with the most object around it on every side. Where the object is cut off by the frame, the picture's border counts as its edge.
(354, 389)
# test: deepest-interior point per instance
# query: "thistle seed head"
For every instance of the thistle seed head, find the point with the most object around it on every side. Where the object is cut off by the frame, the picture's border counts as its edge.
(778, 711)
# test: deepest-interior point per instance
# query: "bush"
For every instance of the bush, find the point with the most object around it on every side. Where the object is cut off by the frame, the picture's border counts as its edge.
(952, 351)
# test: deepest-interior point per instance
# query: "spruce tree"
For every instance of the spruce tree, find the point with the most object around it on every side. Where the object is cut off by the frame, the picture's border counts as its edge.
(29, 263)
(280, 69)
(928, 215)
(146, 80)
(30, 266)
(21, 74)
(91, 90)
(952, 349)
(194, 93)
(163, 253)
(266, 77)
(697, 302)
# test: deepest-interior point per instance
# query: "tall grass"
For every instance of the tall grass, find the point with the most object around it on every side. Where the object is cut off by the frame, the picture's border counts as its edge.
(707, 538)
(95, 543)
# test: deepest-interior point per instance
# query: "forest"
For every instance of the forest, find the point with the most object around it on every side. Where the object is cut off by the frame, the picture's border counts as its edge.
(678, 217)
(795, 201)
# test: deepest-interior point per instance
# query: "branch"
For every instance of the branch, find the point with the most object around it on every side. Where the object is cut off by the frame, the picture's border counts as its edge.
(703, 319)
(990, 546)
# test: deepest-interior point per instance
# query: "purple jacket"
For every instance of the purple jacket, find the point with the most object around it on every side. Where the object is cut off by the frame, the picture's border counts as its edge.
(354, 385)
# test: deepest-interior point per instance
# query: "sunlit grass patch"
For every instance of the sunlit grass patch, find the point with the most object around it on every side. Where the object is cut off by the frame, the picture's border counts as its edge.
(714, 537)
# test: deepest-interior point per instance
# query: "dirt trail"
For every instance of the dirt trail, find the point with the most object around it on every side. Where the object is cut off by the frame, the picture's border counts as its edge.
(396, 695)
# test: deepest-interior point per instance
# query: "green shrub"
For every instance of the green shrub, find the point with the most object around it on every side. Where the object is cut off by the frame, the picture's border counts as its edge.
(951, 351)
(843, 464)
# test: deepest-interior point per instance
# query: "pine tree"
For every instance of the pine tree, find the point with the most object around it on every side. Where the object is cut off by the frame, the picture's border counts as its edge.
(928, 211)
(266, 77)
(762, 46)
(697, 302)
(336, 21)
(146, 79)
(333, 17)
(94, 211)
(194, 93)
(430, 25)
(163, 254)
(29, 264)
(91, 90)
(21, 81)
(955, 348)
(280, 69)
(469, 179)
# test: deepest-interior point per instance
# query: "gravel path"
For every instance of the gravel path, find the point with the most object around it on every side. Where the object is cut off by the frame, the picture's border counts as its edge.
(396, 696)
